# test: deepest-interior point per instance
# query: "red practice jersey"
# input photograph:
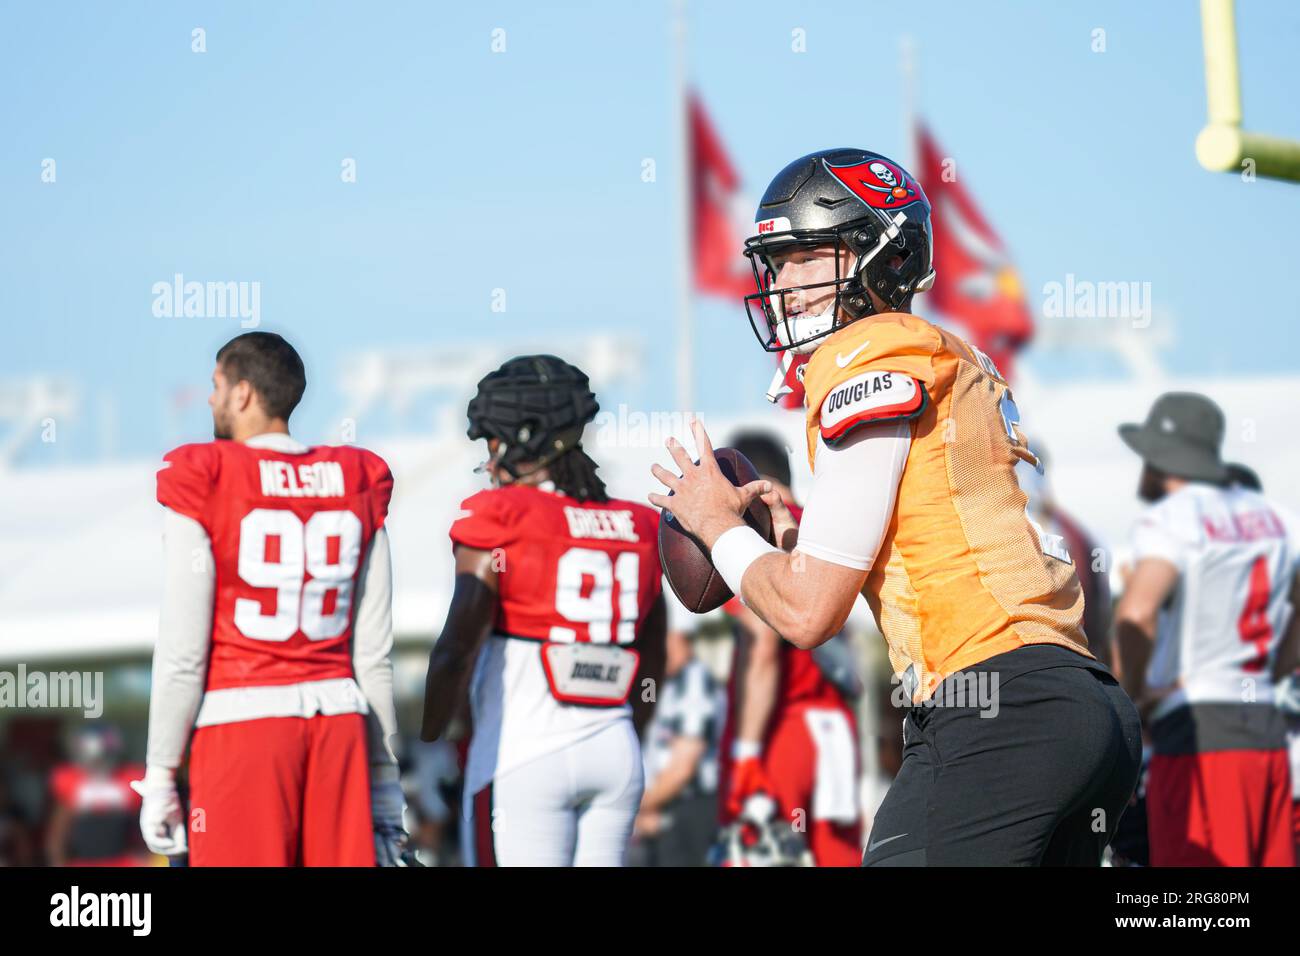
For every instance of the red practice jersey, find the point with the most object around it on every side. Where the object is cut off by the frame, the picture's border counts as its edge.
(104, 809)
(289, 533)
(81, 791)
(568, 570)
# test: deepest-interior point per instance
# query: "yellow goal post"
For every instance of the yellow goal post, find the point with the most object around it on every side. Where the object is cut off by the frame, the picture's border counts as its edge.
(1223, 146)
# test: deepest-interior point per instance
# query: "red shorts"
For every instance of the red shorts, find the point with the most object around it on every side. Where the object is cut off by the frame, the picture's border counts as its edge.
(1222, 808)
(115, 862)
(281, 791)
(790, 759)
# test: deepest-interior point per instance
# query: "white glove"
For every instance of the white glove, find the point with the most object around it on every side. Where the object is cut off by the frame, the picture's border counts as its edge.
(387, 805)
(162, 818)
(1287, 695)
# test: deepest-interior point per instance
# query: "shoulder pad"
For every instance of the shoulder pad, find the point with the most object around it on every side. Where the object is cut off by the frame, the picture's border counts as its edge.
(867, 398)
(898, 343)
(485, 520)
(379, 484)
(186, 478)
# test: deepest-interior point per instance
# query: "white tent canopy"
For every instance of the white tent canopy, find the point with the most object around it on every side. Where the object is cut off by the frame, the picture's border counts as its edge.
(80, 570)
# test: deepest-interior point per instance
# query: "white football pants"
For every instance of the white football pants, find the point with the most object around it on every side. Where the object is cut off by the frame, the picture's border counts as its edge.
(572, 807)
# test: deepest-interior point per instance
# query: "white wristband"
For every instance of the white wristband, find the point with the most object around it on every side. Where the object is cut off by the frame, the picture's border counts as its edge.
(744, 749)
(734, 551)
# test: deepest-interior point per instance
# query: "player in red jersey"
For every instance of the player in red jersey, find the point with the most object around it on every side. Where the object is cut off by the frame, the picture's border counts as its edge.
(94, 805)
(790, 730)
(274, 637)
(555, 630)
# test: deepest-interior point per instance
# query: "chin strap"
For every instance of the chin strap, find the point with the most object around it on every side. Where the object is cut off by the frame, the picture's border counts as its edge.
(788, 379)
(780, 387)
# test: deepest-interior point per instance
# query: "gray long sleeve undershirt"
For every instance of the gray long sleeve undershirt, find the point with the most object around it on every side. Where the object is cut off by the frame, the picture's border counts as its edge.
(180, 659)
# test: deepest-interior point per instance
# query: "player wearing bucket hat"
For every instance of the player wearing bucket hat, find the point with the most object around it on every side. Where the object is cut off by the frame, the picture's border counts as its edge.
(1203, 631)
(1181, 437)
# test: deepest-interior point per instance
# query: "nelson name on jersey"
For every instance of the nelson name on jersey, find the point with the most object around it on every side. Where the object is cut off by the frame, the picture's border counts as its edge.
(317, 479)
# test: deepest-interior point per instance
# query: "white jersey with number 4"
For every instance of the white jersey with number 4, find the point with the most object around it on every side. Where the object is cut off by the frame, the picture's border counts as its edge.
(1237, 554)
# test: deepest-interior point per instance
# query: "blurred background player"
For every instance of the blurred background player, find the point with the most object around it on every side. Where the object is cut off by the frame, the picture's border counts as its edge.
(274, 637)
(1203, 630)
(435, 774)
(1131, 845)
(1288, 701)
(16, 848)
(1287, 693)
(555, 623)
(790, 730)
(678, 817)
(94, 817)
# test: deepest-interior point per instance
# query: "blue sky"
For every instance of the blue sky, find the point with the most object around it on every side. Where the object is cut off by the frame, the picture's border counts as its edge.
(522, 171)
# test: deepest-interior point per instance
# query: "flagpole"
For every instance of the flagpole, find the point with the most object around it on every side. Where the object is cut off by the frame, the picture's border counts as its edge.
(907, 49)
(681, 116)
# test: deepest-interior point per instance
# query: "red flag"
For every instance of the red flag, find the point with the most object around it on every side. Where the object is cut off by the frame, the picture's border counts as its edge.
(719, 265)
(182, 397)
(976, 285)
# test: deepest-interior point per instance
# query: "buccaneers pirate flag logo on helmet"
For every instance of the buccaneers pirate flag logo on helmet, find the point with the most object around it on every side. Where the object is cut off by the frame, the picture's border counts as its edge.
(879, 183)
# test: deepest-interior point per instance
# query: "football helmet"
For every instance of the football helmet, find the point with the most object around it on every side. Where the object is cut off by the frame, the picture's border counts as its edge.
(852, 199)
(98, 746)
(536, 406)
(759, 837)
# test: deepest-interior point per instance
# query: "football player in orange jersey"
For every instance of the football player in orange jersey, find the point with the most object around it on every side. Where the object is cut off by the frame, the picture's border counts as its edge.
(1021, 748)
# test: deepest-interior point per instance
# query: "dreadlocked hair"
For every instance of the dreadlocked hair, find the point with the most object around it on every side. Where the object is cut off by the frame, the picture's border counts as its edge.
(574, 473)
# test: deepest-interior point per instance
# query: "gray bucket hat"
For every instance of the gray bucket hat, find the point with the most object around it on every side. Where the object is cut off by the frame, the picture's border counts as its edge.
(1181, 437)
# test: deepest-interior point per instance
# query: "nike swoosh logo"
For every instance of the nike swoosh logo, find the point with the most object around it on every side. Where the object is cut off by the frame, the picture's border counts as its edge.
(843, 362)
(879, 843)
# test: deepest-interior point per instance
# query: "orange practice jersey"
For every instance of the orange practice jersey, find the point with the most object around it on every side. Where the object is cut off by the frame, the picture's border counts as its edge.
(963, 573)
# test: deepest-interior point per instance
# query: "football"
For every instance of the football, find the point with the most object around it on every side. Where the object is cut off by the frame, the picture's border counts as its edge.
(686, 562)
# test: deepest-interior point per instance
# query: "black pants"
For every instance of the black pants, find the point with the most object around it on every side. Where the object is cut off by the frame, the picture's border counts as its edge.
(1041, 781)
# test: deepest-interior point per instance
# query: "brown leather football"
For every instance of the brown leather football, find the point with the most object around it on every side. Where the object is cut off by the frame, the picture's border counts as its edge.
(685, 560)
